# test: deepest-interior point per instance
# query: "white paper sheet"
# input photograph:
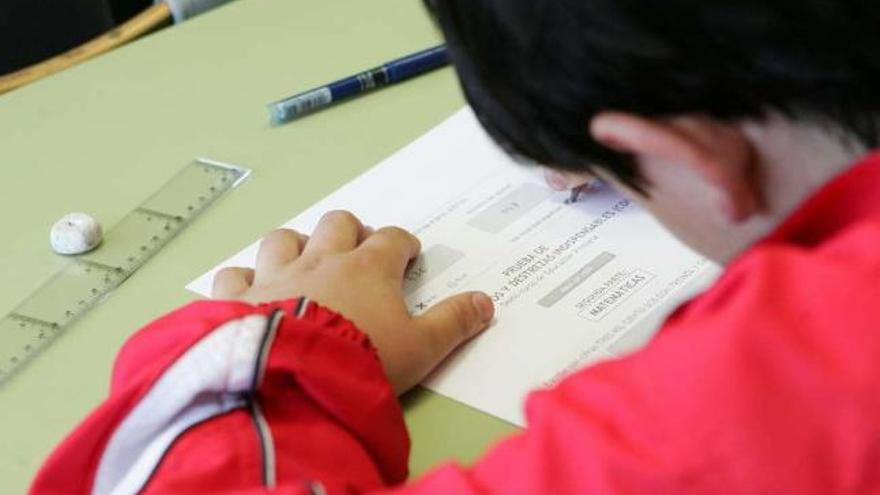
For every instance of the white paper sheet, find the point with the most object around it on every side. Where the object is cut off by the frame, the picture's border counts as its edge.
(573, 284)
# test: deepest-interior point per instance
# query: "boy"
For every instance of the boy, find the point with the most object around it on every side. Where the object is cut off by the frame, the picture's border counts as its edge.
(744, 126)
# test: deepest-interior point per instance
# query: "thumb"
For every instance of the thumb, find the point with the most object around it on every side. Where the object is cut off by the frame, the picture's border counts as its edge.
(456, 319)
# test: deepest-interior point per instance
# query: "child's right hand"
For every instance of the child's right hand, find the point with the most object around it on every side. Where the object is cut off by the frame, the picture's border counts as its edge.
(359, 273)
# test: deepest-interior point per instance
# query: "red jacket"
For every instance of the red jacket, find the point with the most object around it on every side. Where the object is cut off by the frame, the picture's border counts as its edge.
(769, 383)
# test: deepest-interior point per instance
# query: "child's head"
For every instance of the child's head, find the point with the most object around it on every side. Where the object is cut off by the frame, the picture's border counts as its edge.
(618, 87)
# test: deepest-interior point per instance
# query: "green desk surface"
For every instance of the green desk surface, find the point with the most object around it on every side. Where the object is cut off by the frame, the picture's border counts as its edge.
(100, 137)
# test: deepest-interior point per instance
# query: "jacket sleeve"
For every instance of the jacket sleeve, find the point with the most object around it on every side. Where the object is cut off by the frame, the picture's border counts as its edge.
(228, 397)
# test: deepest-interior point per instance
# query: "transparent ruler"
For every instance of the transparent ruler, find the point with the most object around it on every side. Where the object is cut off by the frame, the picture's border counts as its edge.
(50, 310)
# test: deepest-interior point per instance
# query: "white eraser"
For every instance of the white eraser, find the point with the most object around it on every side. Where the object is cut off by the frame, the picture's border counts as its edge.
(75, 233)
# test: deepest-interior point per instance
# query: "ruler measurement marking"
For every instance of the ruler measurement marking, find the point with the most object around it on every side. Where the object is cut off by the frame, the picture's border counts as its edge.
(156, 213)
(33, 321)
(99, 266)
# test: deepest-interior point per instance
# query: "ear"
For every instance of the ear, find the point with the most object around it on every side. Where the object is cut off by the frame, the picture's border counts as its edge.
(718, 156)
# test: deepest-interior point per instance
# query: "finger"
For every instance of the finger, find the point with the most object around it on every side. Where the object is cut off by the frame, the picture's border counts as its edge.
(454, 320)
(556, 180)
(277, 249)
(394, 246)
(231, 282)
(337, 232)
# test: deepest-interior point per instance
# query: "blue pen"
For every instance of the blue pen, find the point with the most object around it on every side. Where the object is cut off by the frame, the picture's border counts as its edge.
(395, 71)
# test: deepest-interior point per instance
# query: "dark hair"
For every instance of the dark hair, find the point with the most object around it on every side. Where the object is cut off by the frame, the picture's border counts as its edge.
(537, 71)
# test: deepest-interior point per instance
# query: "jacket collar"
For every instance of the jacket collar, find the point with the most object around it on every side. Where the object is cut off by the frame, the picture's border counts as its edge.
(850, 197)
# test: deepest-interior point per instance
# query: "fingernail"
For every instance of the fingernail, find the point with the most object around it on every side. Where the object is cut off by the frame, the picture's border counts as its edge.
(484, 306)
(555, 180)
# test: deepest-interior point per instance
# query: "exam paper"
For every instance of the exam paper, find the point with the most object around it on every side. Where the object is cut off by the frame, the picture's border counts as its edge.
(573, 284)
